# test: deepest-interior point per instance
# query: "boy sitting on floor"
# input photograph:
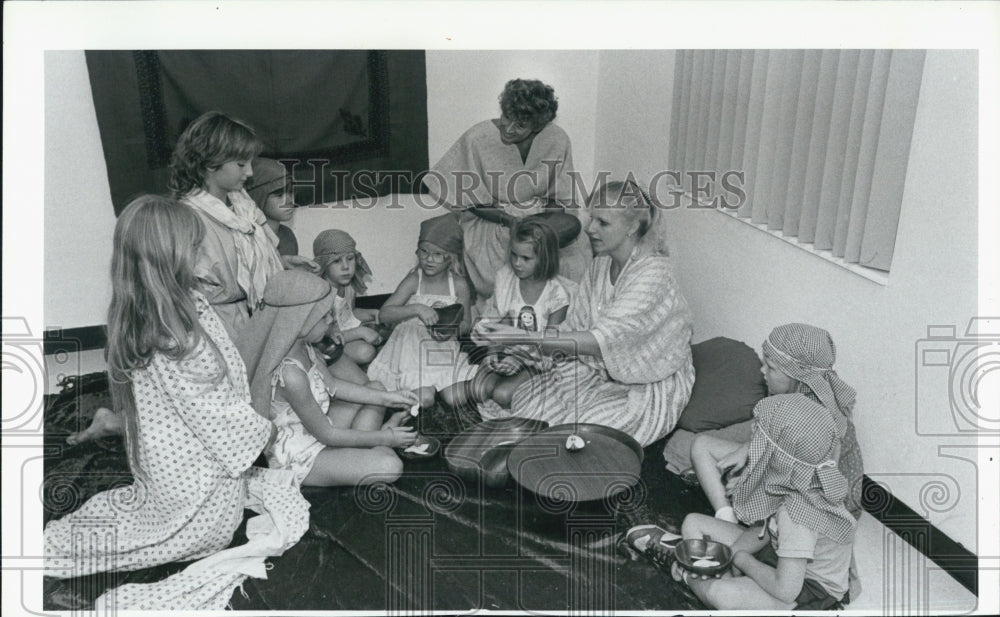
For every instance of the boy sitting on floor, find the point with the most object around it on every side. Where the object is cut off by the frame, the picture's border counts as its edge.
(797, 553)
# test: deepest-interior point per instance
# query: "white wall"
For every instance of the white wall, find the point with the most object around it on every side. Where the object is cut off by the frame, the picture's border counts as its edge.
(463, 88)
(79, 216)
(741, 282)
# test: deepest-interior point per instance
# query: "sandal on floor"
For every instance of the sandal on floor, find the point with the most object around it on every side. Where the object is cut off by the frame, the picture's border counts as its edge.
(654, 542)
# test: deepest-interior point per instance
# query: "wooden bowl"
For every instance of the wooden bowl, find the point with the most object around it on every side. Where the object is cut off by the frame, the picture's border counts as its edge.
(689, 551)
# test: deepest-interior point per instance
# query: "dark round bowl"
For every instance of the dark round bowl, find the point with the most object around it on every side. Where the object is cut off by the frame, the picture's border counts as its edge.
(690, 551)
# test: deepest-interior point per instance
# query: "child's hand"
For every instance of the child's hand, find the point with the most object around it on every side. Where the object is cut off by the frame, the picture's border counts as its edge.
(682, 574)
(678, 573)
(400, 399)
(507, 366)
(400, 436)
(495, 332)
(490, 361)
(426, 314)
(369, 336)
(730, 467)
(397, 419)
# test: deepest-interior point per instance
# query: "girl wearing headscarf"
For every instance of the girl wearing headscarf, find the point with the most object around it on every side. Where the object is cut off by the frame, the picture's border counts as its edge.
(421, 353)
(798, 358)
(798, 552)
(345, 268)
(330, 432)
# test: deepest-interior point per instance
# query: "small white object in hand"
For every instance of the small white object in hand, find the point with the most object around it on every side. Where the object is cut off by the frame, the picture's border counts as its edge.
(574, 443)
(415, 410)
(415, 449)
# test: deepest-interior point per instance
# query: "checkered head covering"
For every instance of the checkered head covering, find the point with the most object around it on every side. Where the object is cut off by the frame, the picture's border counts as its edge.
(793, 460)
(294, 302)
(330, 245)
(806, 353)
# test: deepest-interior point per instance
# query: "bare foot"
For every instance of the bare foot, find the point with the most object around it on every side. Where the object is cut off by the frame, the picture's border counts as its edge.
(106, 423)
(397, 419)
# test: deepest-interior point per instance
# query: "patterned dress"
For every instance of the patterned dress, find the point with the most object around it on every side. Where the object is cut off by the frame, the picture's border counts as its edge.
(644, 378)
(198, 437)
(412, 359)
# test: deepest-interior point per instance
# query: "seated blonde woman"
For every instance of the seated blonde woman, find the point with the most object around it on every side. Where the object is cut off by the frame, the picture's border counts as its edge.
(622, 358)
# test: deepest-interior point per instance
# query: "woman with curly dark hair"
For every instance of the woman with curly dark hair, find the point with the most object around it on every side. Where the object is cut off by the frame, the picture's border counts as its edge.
(505, 169)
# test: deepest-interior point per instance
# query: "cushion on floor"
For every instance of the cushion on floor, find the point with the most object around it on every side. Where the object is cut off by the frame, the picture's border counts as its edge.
(727, 385)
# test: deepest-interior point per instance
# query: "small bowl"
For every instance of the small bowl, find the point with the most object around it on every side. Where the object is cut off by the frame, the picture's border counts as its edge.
(433, 447)
(691, 550)
(449, 320)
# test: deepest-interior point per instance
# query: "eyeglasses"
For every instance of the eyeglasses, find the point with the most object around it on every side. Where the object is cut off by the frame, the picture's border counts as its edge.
(515, 125)
(428, 256)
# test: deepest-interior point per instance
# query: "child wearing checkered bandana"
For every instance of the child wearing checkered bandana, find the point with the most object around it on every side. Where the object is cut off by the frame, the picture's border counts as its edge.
(798, 553)
(797, 358)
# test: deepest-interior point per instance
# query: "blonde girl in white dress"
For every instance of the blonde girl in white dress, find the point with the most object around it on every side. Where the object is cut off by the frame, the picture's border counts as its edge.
(330, 432)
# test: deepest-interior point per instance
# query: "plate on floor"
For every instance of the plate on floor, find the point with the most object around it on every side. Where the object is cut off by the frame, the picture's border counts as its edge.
(555, 465)
(480, 452)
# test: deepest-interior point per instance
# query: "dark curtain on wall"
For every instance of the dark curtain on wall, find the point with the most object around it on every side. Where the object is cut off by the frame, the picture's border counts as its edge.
(342, 119)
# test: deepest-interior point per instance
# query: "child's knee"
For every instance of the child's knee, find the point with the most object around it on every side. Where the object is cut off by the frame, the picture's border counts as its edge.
(692, 526)
(455, 394)
(503, 394)
(365, 352)
(360, 351)
(386, 466)
(700, 446)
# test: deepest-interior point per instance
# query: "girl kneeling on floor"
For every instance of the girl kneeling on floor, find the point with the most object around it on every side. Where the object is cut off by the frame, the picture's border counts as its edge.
(330, 432)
